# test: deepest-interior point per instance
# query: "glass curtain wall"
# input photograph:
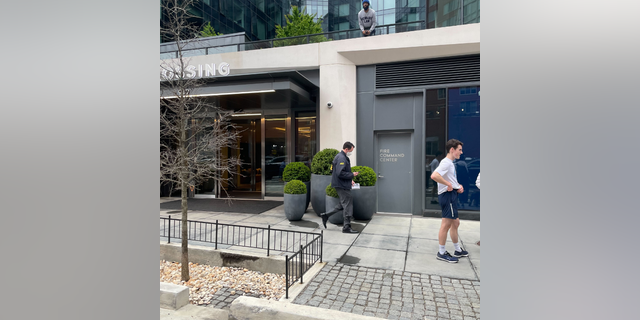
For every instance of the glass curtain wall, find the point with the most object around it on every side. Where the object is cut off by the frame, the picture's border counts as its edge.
(453, 113)
(258, 18)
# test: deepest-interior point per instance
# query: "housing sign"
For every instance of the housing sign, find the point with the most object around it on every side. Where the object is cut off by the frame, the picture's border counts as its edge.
(196, 71)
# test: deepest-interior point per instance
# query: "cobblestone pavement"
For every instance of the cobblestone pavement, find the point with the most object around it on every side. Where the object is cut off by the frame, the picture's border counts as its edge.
(223, 298)
(392, 294)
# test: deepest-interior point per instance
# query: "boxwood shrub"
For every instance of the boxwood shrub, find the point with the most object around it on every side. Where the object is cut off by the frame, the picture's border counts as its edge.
(321, 163)
(331, 191)
(295, 187)
(296, 171)
(366, 176)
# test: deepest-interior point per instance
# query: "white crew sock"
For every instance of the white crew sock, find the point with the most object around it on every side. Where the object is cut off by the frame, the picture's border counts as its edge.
(457, 246)
(442, 250)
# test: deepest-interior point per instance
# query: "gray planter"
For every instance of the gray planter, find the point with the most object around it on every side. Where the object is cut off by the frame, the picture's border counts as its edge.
(294, 206)
(308, 184)
(331, 202)
(319, 185)
(364, 202)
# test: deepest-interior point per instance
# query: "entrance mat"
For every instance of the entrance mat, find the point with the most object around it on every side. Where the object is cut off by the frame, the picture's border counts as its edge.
(221, 205)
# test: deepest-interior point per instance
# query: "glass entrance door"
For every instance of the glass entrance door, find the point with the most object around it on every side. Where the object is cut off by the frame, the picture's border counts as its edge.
(275, 151)
(247, 178)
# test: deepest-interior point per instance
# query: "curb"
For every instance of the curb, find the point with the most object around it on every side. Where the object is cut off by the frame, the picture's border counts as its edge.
(249, 308)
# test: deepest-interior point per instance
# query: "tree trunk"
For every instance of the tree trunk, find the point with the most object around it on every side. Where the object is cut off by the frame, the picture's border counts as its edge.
(185, 240)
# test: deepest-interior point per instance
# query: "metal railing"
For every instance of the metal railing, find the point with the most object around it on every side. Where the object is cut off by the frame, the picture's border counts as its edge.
(292, 41)
(305, 246)
(300, 262)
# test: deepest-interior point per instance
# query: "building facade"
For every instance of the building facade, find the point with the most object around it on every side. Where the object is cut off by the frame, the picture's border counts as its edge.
(397, 97)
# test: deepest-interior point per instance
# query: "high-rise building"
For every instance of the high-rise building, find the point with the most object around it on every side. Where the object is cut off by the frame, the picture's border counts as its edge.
(258, 18)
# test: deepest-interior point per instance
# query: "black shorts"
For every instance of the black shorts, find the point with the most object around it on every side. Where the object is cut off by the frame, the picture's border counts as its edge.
(449, 204)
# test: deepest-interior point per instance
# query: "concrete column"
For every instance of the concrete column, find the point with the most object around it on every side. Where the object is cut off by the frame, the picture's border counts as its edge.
(338, 124)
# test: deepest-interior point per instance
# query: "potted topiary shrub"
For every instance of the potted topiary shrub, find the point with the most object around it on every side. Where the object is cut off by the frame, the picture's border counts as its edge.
(321, 177)
(295, 198)
(298, 171)
(364, 199)
(331, 201)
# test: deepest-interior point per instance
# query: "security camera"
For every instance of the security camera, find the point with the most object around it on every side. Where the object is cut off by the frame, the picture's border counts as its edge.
(329, 104)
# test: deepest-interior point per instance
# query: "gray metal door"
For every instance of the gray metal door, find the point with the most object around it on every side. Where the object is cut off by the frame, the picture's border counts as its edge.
(394, 163)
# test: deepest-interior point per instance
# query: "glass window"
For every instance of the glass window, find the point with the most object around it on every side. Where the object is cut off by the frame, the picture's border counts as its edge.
(238, 14)
(262, 29)
(464, 125)
(343, 10)
(343, 26)
(260, 4)
(388, 4)
(432, 16)
(435, 139)
(471, 11)
(389, 18)
(453, 113)
(445, 13)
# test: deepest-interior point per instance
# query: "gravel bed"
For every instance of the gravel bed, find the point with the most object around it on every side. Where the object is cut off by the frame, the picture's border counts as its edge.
(206, 280)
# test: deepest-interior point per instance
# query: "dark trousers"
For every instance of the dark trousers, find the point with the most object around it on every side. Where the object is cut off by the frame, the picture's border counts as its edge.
(346, 205)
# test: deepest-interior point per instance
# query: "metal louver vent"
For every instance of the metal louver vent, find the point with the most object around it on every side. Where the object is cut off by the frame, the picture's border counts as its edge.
(428, 72)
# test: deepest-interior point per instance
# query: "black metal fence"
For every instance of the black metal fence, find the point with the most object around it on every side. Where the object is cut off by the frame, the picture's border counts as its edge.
(305, 246)
(300, 262)
(292, 41)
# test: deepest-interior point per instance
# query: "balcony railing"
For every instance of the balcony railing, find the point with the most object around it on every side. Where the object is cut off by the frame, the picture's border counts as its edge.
(298, 40)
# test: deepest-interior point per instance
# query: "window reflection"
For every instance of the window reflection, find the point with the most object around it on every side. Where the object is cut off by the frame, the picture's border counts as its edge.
(464, 125)
(305, 137)
(453, 113)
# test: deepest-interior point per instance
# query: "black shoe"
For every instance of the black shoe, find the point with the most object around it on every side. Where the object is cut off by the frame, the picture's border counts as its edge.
(325, 218)
(349, 230)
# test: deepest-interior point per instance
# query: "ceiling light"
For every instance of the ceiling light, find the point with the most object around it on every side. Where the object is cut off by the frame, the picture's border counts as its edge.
(221, 94)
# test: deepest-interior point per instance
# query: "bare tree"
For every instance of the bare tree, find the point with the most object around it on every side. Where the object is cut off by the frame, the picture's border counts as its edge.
(193, 130)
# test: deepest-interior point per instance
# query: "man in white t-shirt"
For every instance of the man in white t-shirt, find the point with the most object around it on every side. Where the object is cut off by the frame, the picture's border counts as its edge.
(448, 190)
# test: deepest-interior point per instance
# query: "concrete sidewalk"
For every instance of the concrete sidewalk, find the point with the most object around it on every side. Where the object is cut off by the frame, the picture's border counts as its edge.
(398, 251)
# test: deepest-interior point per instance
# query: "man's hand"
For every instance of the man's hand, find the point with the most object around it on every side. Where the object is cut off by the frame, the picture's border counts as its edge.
(355, 173)
(461, 190)
(353, 183)
(364, 32)
(368, 32)
(449, 187)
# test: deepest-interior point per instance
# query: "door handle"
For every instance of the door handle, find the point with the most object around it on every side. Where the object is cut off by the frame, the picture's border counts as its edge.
(380, 176)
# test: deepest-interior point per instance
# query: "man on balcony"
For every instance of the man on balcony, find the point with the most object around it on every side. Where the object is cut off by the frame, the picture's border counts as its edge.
(367, 19)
